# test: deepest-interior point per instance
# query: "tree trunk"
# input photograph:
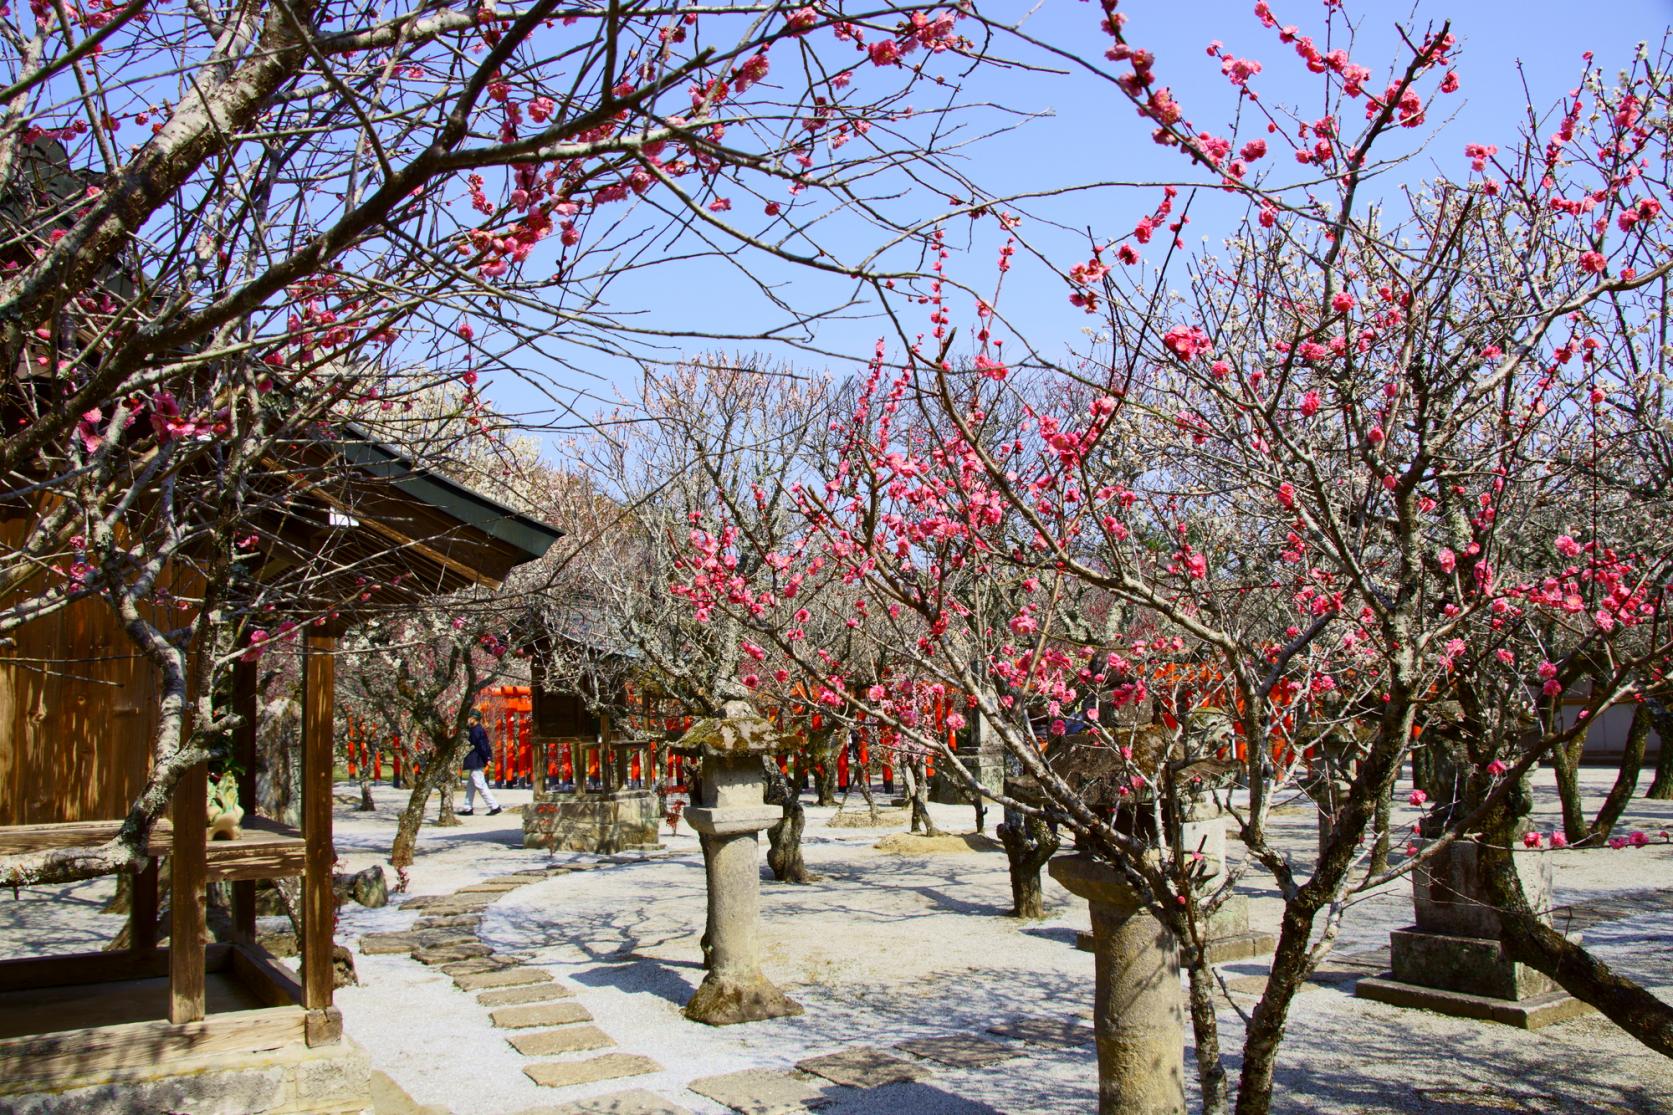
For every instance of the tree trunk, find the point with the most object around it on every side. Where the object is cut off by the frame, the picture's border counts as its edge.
(1205, 1025)
(367, 805)
(859, 775)
(784, 850)
(824, 783)
(435, 772)
(1626, 779)
(1565, 759)
(1379, 851)
(1029, 843)
(449, 784)
(917, 795)
(1528, 939)
(1266, 1024)
(784, 839)
(1661, 788)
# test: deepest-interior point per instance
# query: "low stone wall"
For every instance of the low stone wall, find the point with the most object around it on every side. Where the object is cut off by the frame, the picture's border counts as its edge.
(333, 1079)
(604, 823)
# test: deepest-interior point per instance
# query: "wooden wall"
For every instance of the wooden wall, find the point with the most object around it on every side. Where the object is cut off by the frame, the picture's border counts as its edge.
(78, 709)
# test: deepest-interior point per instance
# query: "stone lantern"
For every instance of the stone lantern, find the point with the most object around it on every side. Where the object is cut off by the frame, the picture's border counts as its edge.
(1138, 1007)
(729, 818)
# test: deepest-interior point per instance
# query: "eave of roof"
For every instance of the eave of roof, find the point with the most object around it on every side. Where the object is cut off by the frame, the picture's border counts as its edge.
(490, 516)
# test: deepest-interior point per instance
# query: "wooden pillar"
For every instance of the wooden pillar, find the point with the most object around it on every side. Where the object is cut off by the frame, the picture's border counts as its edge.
(606, 757)
(319, 915)
(142, 908)
(244, 704)
(188, 868)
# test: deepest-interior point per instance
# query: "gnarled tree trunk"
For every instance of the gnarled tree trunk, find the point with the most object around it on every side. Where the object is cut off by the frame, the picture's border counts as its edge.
(1029, 843)
(437, 772)
(784, 839)
(1528, 939)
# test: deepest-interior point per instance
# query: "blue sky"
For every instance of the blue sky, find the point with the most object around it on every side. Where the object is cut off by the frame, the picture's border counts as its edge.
(1085, 132)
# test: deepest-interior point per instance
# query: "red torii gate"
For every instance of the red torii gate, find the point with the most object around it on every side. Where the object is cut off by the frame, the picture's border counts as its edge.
(506, 711)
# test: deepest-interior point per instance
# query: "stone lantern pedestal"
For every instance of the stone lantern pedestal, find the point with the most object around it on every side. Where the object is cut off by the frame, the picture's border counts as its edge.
(729, 818)
(1229, 937)
(1138, 1006)
(1451, 961)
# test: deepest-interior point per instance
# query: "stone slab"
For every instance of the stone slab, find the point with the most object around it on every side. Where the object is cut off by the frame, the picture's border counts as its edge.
(449, 921)
(476, 965)
(448, 938)
(1062, 1032)
(635, 1101)
(759, 1092)
(611, 1066)
(505, 977)
(451, 954)
(527, 993)
(424, 901)
(564, 1039)
(964, 1051)
(540, 1014)
(388, 944)
(517, 878)
(1473, 965)
(1527, 1014)
(1240, 946)
(863, 1067)
(488, 888)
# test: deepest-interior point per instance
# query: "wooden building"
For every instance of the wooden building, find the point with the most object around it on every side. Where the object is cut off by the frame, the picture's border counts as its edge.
(597, 746)
(77, 708)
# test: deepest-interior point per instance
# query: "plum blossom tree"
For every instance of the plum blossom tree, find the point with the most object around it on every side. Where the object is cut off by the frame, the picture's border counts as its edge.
(1337, 494)
(228, 228)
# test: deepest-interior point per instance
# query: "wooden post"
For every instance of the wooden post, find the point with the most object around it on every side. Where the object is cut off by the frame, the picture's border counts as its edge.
(188, 868)
(319, 915)
(142, 908)
(244, 704)
(606, 757)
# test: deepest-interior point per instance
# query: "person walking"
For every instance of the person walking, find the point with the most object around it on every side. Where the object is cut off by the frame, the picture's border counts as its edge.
(481, 752)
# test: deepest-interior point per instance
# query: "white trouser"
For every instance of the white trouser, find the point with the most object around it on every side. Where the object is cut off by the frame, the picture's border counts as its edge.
(478, 782)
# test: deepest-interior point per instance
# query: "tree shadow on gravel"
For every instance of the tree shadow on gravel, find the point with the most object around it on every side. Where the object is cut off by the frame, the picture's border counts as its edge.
(1419, 1075)
(917, 1098)
(643, 976)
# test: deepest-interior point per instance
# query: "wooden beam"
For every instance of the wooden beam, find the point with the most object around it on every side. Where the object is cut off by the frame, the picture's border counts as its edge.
(319, 908)
(267, 850)
(142, 907)
(267, 980)
(30, 973)
(187, 876)
(97, 1054)
(245, 685)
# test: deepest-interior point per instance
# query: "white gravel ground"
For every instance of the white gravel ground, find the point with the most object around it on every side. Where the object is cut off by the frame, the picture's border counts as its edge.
(884, 948)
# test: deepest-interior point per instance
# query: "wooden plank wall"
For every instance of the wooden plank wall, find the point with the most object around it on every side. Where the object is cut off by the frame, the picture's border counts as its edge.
(78, 707)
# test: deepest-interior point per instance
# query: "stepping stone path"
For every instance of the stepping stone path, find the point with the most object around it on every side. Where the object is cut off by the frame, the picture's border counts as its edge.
(864, 1068)
(565, 1039)
(563, 1074)
(634, 1102)
(1059, 1032)
(961, 1051)
(528, 993)
(760, 1092)
(539, 1013)
(505, 977)
(541, 1020)
(477, 965)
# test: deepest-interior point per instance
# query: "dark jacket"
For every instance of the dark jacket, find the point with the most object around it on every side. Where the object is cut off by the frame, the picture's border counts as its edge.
(482, 751)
